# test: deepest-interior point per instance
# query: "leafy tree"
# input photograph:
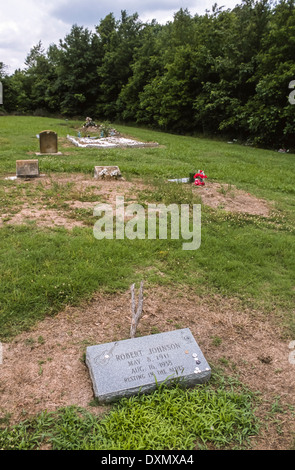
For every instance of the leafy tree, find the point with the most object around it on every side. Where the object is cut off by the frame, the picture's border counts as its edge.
(17, 93)
(2, 70)
(39, 74)
(146, 65)
(230, 66)
(270, 115)
(226, 72)
(166, 99)
(76, 82)
(118, 40)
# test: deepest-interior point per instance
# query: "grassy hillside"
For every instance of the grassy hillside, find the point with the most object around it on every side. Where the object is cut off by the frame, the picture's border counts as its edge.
(242, 257)
(249, 257)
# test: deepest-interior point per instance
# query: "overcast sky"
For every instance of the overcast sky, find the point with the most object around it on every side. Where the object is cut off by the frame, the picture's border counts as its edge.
(23, 23)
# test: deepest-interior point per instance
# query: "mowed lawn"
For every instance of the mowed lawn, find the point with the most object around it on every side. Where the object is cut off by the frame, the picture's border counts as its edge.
(244, 256)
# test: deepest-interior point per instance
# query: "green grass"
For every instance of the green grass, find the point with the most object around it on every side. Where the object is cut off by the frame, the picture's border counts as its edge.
(44, 270)
(167, 419)
(247, 257)
(264, 171)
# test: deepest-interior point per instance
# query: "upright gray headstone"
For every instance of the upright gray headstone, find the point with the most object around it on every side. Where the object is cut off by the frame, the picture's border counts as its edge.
(48, 142)
(128, 367)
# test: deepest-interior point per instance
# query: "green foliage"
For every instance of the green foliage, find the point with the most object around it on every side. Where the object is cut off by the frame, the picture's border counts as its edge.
(225, 72)
(106, 128)
(118, 41)
(75, 62)
(167, 419)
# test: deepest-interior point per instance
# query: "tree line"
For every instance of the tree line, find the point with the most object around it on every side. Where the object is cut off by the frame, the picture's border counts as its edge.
(226, 72)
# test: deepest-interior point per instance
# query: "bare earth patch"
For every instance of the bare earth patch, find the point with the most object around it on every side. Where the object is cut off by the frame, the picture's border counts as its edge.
(37, 211)
(44, 368)
(231, 199)
(215, 195)
(42, 217)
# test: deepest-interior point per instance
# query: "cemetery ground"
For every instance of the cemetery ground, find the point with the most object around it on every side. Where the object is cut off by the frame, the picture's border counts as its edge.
(62, 290)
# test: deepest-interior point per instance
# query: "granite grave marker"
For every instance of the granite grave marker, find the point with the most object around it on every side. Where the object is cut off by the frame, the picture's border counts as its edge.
(27, 168)
(48, 142)
(128, 367)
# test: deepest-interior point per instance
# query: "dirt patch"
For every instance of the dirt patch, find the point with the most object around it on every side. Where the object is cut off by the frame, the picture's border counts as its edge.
(231, 199)
(215, 195)
(36, 210)
(42, 217)
(44, 368)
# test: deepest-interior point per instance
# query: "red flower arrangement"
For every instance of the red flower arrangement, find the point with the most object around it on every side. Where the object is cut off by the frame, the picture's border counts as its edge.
(199, 178)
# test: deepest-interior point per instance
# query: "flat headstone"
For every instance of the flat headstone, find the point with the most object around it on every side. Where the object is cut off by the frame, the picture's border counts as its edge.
(27, 168)
(107, 172)
(128, 367)
(48, 142)
(180, 180)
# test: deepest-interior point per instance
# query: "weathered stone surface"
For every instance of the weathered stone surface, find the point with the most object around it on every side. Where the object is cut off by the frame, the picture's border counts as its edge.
(107, 172)
(137, 365)
(48, 142)
(27, 168)
(109, 142)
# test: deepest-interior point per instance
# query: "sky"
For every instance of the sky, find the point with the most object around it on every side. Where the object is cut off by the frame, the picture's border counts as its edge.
(23, 23)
